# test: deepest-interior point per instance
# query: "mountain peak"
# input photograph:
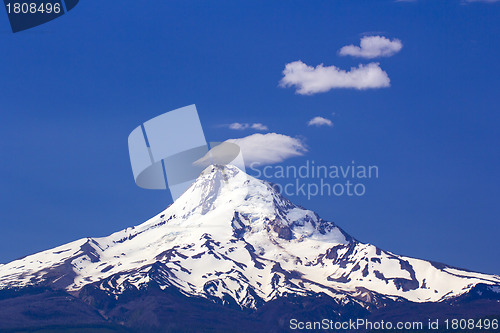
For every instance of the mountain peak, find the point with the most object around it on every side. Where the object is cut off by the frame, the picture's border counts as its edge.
(244, 200)
(232, 236)
(222, 168)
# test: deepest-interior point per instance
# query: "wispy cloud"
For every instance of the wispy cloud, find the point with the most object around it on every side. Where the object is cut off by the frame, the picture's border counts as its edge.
(319, 121)
(238, 126)
(259, 127)
(269, 148)
(310, 80)
(373, 47)
(244, 126)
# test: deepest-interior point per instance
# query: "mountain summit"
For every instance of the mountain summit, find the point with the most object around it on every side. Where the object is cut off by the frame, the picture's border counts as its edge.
(235, 241)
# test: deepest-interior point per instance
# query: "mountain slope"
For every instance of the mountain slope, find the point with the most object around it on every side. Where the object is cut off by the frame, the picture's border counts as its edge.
(232, 239)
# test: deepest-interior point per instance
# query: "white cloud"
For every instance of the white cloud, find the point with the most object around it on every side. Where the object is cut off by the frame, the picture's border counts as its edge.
(238, 126)
(244, 126)
(311, 80)
(269, 148)
(487, 1)
(320, 121)
(259, 127)
(373, 47)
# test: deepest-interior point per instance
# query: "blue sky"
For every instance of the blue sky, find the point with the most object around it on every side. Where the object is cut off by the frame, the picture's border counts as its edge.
(73, 89)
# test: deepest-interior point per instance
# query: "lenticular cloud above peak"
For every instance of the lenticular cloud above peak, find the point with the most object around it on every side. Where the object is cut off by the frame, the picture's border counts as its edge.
(269, 148)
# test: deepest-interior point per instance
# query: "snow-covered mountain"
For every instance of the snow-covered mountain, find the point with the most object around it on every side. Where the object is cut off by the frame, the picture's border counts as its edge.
(234, 240)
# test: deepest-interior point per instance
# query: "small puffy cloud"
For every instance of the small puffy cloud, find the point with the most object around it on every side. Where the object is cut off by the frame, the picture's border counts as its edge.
(269, 148)
(310, 80)
(373, 47)
(320, 121)
(244, 126)
(259, 127)
(238, 126)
